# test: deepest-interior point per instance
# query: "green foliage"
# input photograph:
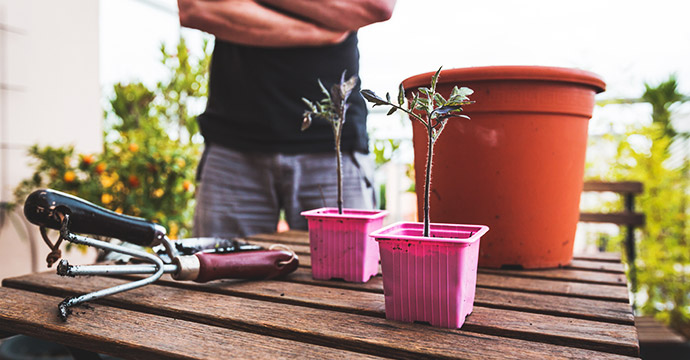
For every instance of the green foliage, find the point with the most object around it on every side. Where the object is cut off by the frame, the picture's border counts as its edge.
(662, 97)
(149, 158)
(645, 154)
(384, 149)
(432, 111)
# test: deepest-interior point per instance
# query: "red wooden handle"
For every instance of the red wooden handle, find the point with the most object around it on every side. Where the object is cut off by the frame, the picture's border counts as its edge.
(263, 264)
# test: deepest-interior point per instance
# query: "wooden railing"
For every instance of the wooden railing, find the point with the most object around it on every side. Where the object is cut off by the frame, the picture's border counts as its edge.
(627, 218)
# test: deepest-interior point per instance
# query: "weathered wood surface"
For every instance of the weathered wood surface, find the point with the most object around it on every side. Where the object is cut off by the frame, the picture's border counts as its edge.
(611, 267)
(139, 335)
(599, 256)
(577, 312)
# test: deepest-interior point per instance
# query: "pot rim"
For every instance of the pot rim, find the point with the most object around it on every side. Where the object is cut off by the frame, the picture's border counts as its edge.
(331, 212)
(510, 72)
(388, 233)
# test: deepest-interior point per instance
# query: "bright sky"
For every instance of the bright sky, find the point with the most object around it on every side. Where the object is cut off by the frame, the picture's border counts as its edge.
(626, 42)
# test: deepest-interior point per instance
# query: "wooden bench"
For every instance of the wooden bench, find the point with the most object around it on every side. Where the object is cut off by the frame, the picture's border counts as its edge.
(658, 341)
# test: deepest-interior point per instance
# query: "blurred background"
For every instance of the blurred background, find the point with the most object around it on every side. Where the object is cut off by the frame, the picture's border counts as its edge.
(98, 98)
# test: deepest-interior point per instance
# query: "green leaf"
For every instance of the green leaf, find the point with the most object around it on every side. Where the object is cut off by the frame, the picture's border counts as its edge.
(434, 79)
(462, 92)
(392, 110)
(456, 102)
(347, 86)
(336, 96)
(424, 90)
(388, 97)
(371, 97)
(309, 104)
(415, 99)
(323, 89)
(446, 111)
(401, 95)
(440, 100)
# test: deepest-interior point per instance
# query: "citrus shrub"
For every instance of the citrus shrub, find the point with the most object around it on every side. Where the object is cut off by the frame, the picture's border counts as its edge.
(150, 152)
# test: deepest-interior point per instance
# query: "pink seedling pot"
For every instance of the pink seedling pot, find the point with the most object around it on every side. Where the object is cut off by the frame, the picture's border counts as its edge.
(341, 247)
(429, 279)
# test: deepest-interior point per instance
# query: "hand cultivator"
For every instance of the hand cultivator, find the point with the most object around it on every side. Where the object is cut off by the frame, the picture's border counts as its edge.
(198, 259)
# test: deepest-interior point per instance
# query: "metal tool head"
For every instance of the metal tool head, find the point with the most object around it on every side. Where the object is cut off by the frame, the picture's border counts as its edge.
(143, 242)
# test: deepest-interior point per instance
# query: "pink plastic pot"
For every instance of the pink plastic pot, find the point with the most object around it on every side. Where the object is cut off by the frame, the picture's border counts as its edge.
(341, 247)
(431, 279)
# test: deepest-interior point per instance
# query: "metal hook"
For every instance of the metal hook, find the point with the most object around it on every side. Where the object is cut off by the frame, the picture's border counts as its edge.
(55, 253)
(286, 248)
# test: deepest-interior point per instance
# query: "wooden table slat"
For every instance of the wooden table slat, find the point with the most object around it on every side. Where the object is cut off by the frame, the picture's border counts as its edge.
(295, 237)
(137, 335)
(583, 276)
(537, 286)
(588, 271)
(299, 237)
(301, 250)
(595, 265)
(370, 303)
(599, 256)
(548, 286)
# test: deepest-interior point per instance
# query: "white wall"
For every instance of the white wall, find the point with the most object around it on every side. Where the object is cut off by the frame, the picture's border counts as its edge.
(50, 95)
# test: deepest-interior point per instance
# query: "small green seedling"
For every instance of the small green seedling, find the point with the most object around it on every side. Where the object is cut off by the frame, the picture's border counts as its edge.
(332, 108)
(433, 111)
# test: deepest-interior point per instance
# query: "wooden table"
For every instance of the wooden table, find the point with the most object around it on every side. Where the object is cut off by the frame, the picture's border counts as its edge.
(581, 311)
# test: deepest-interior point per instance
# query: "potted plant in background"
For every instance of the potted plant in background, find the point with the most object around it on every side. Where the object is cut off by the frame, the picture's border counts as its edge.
(526, 149)
(429, 269)
(339, 238)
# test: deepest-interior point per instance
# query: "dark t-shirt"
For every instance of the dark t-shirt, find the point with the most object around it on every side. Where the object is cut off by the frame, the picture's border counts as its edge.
(255, 98)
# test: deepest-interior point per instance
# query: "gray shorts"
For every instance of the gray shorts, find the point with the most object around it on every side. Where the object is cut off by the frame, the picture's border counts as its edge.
(241, 194)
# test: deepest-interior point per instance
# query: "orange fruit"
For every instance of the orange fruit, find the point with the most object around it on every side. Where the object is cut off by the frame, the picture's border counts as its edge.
(69, 176)
(106, 199)
(87, 159)
(133, 147)
(100, 168)
(133, 181)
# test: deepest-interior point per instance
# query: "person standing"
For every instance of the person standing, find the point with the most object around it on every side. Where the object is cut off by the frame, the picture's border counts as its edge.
(268, 55)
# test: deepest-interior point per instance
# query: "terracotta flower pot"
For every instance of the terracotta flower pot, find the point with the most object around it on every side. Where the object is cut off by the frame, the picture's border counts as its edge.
(341, 247)
(432, 278)
(517, 165)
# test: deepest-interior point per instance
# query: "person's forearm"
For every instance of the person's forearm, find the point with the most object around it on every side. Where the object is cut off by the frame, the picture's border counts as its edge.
(340, 15)
(249, 23)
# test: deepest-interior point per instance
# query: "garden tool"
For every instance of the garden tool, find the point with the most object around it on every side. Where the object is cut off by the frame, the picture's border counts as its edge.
(200, 260)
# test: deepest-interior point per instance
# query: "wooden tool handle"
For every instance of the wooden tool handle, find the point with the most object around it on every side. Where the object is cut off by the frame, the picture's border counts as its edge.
(264, 264)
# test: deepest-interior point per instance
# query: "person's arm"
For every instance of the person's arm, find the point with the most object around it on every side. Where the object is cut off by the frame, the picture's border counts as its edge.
(247, 22)
(339, 15)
